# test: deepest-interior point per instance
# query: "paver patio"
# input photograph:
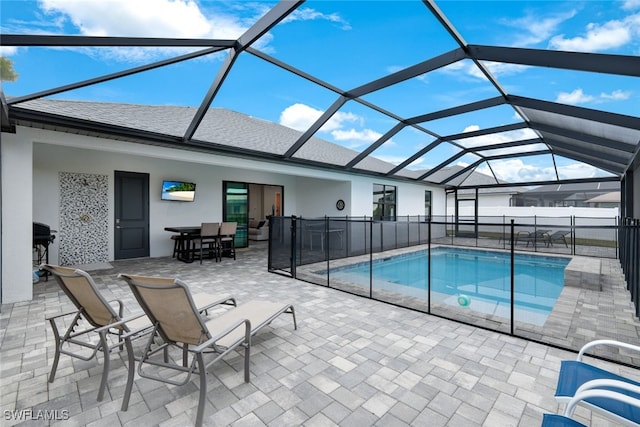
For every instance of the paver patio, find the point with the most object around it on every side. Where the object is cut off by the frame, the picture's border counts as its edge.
(352, 362)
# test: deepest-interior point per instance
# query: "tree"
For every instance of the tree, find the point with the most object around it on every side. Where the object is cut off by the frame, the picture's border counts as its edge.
(7, 72)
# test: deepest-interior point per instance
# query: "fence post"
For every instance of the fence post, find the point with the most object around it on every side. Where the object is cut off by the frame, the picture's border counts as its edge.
(347, 236)
(513, 276)
(535, 238)
(327, 249)
(371, 258)
(504, 229)
(294, 248)
(453, 231)
(429, 266)
(573, 234)
(635, 277)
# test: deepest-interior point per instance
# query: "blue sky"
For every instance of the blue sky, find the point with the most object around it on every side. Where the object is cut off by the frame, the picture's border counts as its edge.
(347, 44)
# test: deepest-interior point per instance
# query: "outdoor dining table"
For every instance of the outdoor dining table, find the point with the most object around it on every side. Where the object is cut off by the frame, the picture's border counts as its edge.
(186, 235)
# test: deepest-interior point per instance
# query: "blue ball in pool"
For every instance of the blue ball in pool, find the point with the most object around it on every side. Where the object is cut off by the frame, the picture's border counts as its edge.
(464, 300)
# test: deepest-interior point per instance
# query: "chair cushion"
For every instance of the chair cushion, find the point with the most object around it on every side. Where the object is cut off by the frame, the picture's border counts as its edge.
(259, 313)
(555, 420)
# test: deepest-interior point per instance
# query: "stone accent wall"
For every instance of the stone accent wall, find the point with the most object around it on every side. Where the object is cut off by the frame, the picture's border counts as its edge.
(84, 223)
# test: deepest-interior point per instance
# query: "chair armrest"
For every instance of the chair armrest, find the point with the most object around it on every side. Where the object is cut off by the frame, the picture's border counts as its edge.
(602, 383)
(600, 393)
(227, 331)
(612, 343)
(106, 328)
(120, 306)
(61, 315)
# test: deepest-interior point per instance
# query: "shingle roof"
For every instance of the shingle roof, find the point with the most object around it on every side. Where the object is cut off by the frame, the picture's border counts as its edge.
(219, 126)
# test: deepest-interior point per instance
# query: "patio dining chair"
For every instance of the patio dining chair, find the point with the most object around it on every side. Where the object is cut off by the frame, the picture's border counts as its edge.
(169, 305)
(209, 240)
(96, 321)
(576, 376)
(228, 238)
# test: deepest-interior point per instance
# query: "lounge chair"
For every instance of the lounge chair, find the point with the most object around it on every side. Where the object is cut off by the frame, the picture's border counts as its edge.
(557, 236)
(576, 376)
(593, 390)
(169, 305)
(534, 237)
(96, 317)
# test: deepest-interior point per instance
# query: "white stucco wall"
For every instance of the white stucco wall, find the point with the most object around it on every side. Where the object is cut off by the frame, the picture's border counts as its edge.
(34, 158)
(486, 201)
(16, 167)
(49, 160)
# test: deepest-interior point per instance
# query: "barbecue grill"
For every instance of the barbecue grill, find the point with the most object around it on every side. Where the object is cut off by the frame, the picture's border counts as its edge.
(42, 238)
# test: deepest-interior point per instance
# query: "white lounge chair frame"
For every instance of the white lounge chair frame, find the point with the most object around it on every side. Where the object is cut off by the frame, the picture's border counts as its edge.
(604, 387)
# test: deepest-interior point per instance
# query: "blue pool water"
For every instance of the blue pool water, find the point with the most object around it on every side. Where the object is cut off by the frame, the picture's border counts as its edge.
(473, 279)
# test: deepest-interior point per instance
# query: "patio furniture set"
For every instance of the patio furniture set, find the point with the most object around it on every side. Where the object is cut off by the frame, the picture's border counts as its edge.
(171, 318)
(210, 239)
(542, 236)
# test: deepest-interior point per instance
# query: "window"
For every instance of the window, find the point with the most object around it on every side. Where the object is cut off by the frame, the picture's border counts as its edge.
(427, 204)
(384, 202)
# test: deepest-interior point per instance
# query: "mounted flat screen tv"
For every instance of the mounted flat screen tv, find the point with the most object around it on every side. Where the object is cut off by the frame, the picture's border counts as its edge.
(179, 191)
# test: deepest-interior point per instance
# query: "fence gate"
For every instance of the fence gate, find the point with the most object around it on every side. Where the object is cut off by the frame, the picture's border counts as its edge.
(466, 216)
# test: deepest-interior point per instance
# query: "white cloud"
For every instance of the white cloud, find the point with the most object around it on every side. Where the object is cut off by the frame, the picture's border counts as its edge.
(502, 69)
(631, 4)
(148, 18)
(599, 37)
(364, 135)
(308, 14)
(535, 29)
(516, 170)
(579, 97)
(497, 138)
(616, 95)
(301, 117)
(469, 69)
(577, 170)
(574, 98)
(8, 50)
(152, 18)
(340, 125)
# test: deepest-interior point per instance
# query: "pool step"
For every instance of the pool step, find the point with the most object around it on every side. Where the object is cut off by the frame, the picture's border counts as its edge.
(583, 272)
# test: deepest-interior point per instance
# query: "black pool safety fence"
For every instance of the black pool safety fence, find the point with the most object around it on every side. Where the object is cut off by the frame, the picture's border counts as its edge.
(496, 273)
(630, 258)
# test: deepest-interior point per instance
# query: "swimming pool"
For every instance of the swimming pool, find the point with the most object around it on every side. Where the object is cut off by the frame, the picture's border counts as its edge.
(477, 280)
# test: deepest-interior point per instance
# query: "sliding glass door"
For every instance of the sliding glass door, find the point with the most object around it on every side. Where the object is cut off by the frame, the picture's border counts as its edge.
(235, 208)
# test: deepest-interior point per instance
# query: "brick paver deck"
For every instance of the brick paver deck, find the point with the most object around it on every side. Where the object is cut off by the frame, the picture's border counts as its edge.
(352, 362)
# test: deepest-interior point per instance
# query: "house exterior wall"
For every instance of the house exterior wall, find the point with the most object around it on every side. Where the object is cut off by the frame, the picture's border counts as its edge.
(16, 167)
(35, 158)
